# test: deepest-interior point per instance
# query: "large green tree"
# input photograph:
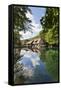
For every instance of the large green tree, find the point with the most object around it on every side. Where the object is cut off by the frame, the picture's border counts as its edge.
(21, 22)
(50, 26)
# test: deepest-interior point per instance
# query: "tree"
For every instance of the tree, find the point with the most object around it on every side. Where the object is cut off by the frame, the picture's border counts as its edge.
(50, 25)
(21, 22)
(52, 36)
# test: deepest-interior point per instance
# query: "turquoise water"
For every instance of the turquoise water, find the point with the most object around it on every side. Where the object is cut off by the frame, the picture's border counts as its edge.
(36, 66)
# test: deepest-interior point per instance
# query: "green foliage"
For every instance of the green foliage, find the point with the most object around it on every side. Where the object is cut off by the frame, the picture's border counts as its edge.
(52, 63)
(21, 22)
(51, 36)
(50, 26)
(50, 58)
(17, 36)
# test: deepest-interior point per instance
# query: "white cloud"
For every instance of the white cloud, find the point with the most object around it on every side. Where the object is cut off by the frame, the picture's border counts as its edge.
(35, 62)
(26, 35)
(29, 15)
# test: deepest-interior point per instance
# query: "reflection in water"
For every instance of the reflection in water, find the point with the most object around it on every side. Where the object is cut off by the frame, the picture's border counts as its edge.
(36, 66)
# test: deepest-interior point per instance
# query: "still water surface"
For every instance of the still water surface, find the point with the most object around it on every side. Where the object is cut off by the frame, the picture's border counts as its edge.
(36, 66)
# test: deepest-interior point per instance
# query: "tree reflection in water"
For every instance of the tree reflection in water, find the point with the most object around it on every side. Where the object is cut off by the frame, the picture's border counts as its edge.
(50, 58)
(36, 66)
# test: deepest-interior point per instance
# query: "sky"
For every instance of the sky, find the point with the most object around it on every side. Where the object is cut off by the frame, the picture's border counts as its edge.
(37, 13)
